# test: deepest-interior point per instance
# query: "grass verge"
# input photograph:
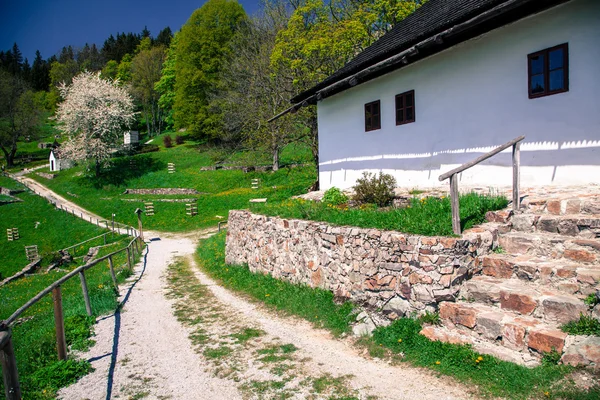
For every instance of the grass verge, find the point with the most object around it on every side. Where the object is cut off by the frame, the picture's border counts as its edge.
(401, 340)
(430, 216)
(316, 305)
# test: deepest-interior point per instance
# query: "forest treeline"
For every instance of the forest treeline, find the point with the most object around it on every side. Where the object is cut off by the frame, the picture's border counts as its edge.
(220, 77)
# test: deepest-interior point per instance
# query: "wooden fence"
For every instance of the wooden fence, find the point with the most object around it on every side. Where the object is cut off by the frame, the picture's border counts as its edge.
(7, 354)
(516, 162)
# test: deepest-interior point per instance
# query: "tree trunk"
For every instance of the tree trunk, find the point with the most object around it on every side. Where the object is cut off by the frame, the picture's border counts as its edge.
(276, 158)
(97, 168)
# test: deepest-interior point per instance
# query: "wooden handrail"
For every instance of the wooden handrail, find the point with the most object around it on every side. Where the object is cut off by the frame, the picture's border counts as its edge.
(516, 163)
(480, 158)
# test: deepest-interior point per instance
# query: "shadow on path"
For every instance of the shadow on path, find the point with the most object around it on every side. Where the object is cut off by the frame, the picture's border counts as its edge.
(117, 331)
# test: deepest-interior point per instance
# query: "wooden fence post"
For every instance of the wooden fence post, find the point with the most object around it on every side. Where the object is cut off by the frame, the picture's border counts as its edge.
(104, 236)
(59, 322)
(112, 274)
(516, 158)
(129, 259)
(12, 389)
(455, 204)
(86, 295)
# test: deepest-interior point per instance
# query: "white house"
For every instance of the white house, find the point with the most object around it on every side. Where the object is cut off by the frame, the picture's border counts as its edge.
(460, 77)
(57, 163)
(131, 138)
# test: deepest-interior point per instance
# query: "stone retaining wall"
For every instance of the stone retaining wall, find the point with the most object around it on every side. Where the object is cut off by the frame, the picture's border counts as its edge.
(392, 271)
(162, 191)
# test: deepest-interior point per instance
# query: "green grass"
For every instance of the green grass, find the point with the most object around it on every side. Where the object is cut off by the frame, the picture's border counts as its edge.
(316, 305)
(40, 372)
(583, 326)
(400, 340)
(222, 190)
(431, 216)
(55, 230)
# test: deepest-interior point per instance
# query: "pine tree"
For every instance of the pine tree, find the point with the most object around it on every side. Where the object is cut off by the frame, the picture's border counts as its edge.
(16, 60)
(40, 77)
(164, 37)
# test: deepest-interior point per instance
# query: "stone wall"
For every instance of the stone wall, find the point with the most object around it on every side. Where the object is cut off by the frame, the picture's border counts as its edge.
(162, 191)
(392, 271)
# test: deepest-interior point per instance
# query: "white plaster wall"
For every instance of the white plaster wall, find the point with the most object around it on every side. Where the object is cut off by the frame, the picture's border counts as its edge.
(470, 99)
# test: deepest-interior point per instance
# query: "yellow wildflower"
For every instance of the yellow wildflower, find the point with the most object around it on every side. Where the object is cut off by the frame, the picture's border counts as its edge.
(399, 340)
(437, 363)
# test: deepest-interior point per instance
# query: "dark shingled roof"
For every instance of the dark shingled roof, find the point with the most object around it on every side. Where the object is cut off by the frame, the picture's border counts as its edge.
(431, 18)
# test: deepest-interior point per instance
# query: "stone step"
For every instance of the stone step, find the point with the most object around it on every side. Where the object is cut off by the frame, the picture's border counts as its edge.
(524, 334)
(582, 204)
(581, 225)
(562, 275)
(552, 246)
(480, 345)
(525, 298)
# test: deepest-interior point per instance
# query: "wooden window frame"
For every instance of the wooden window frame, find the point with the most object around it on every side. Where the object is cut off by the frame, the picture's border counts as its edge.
(405, 107)
(368, 109)
(546, 71)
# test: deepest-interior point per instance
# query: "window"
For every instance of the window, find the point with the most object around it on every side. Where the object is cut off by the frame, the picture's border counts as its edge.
(373, 116)
(405, 108)
(548, 71)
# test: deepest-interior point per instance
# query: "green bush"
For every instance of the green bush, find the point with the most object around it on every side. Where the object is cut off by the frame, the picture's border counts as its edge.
(334, 197)
(375, 189)
(584, 326)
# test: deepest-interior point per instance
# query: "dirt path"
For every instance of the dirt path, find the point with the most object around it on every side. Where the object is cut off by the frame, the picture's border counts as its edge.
(145, 352)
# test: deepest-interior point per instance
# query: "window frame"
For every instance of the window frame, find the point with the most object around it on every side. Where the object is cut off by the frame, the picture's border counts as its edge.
(546, 71)
(373, 127)
(405, 107)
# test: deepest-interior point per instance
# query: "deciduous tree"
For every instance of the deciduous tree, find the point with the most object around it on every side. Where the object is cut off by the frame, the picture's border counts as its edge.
(20, 114)
(146, 69)
(94, 115)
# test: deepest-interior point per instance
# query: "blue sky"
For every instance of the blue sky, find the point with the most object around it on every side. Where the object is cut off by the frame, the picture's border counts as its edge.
(48, 25)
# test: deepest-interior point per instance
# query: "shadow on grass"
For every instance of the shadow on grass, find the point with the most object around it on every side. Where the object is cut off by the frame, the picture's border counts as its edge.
(124, 169)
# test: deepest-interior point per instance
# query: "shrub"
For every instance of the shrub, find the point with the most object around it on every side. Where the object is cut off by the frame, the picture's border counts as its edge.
(149, 148)
(335, 197)
(179, 139)
(584, 326)
(167, 141)
(375, 189)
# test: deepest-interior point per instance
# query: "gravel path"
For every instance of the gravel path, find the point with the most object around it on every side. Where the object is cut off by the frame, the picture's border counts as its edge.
(143, 351)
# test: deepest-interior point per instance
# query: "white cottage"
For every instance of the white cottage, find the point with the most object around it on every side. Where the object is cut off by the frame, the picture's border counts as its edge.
(458, 78)
(131, 138)
(57, 163)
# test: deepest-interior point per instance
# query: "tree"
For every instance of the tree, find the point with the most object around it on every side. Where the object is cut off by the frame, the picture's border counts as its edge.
(250, 91)
(323, 35)
(146, 69)
(94, 115)
(20, 114)
(40, 73)
(164, 37)
(203, 45)
(166, 85)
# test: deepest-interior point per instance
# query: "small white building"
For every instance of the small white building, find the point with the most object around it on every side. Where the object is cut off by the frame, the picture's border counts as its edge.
(458, 78)
(57, 163)
(131, 138)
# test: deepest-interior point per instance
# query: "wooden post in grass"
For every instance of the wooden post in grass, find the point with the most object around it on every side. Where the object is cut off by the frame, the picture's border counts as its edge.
(516, 161)
(112, 274)
(140, 228)
(59, 322)
(86, 295)
(12, 389)
(129, 259)
(454, 202)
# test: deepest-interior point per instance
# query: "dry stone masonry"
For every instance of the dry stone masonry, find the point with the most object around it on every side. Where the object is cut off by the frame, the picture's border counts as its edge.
(396, 272)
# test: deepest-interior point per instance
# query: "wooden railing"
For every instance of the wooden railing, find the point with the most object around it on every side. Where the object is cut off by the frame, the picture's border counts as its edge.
(7, 354)
(516, 161)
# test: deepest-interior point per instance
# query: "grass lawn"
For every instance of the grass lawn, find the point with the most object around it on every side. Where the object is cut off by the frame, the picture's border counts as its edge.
(40, 372)
(400, 341)
(221, 190)
(430, 216)
(40, 224)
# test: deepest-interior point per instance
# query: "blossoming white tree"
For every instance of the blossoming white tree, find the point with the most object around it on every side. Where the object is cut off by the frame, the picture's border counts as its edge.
(94, 114)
